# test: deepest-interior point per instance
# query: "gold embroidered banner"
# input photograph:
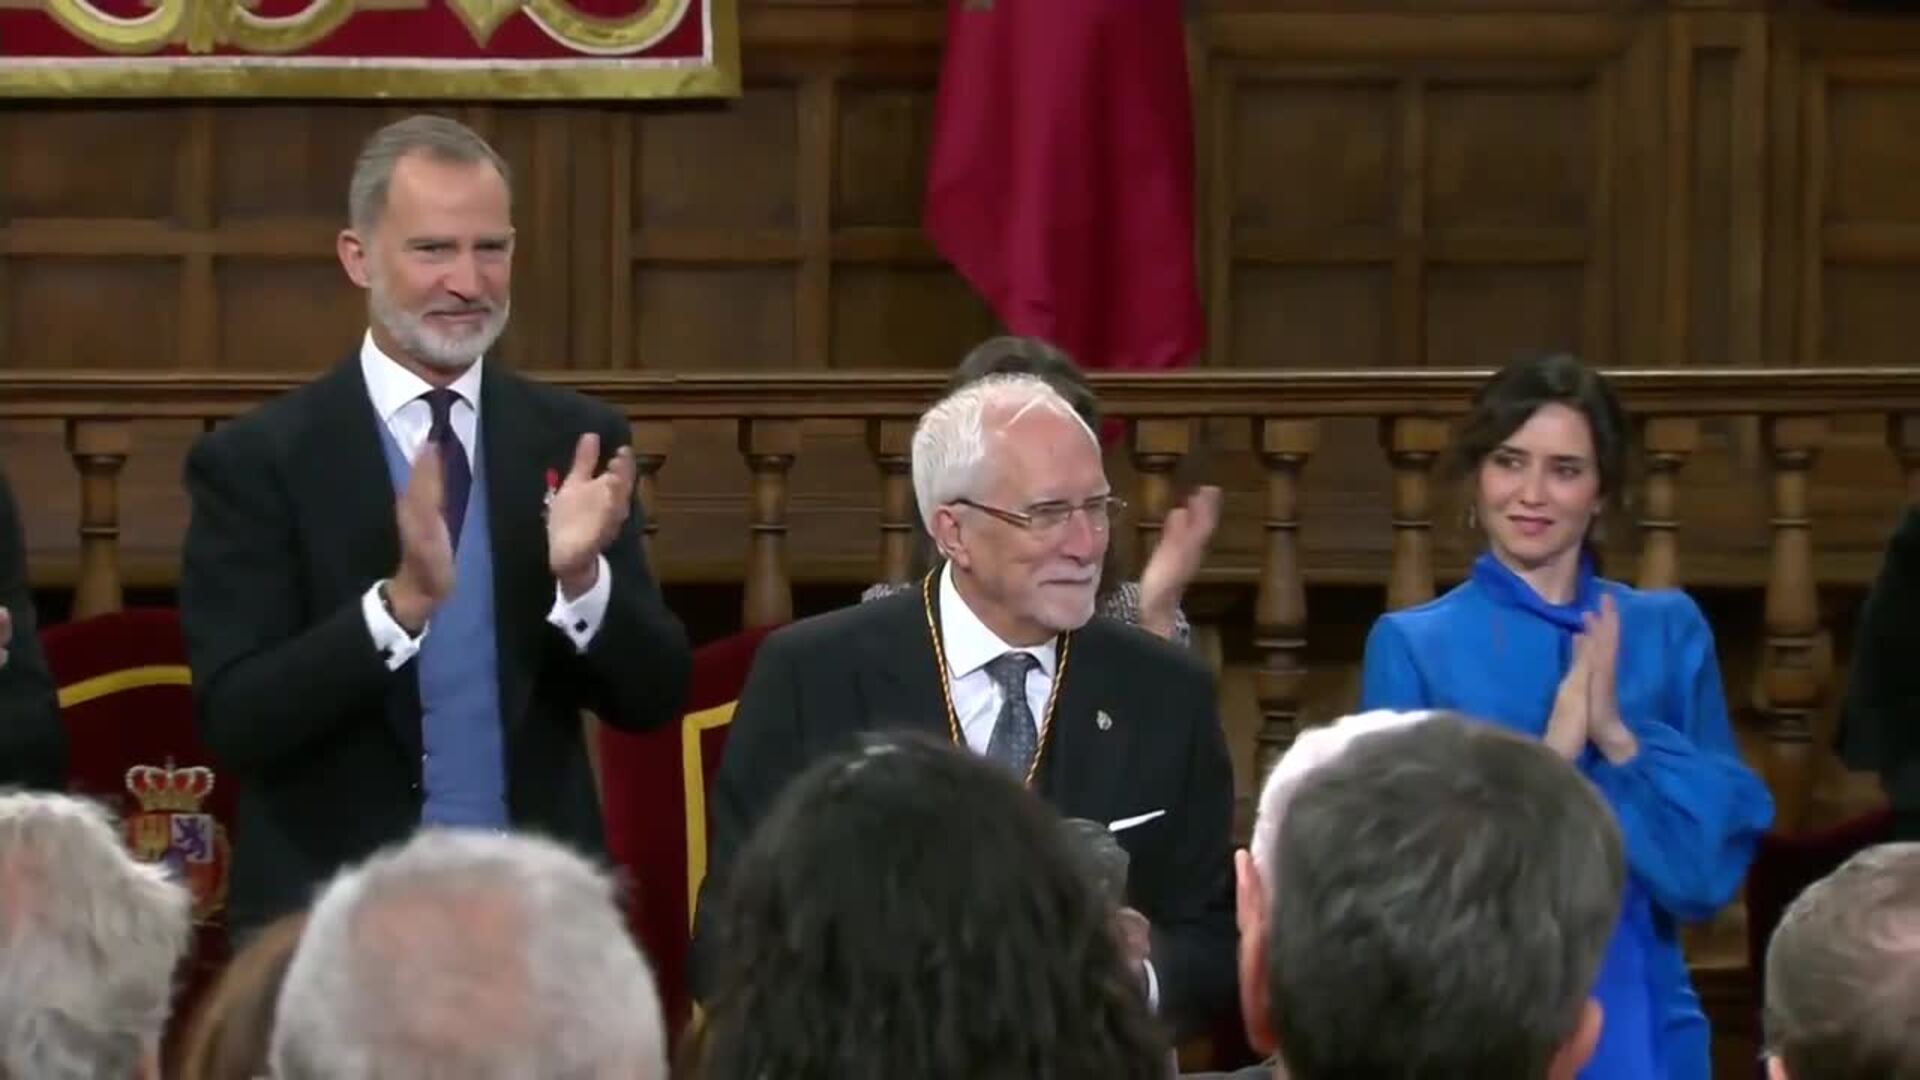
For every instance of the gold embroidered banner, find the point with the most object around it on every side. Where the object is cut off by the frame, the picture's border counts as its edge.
(369, 48)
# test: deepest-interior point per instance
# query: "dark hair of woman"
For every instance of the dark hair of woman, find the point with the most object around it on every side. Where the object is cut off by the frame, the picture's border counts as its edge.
(1505, 402)
(908, 909)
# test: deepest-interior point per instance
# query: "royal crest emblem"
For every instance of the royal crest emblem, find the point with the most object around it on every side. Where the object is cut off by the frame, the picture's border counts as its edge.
(173, 828)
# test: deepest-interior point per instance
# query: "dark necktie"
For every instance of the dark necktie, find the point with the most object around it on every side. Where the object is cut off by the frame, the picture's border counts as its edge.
(1014, 738)
(455, 472)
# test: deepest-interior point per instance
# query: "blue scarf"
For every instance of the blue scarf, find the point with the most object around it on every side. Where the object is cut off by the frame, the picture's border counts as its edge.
(1507, 588)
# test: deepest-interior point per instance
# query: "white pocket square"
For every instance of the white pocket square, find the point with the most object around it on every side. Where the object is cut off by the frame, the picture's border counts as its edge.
(1126, 823)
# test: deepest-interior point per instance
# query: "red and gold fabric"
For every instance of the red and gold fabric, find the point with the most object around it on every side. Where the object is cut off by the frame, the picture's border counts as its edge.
(126, 702)
(654, 790)
(510, 49)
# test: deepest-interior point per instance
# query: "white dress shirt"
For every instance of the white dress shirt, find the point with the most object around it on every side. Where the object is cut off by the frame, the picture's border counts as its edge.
(397, 401)
(969, 646)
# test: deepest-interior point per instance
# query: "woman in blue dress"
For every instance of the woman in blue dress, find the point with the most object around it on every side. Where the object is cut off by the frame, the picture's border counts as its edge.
(1621, 681)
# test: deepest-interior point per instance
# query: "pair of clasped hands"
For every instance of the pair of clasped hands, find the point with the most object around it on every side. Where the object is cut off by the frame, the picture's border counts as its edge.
(584, 515)
(1586, 708)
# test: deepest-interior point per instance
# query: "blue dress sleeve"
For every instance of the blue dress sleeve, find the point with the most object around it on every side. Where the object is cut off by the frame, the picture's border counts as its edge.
(1690, 811)
(1389, 678)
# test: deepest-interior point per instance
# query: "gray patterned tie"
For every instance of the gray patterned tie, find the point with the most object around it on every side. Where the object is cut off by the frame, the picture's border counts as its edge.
(1014, 737)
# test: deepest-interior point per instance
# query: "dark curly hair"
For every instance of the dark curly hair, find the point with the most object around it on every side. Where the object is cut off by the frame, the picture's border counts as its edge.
(909, 910)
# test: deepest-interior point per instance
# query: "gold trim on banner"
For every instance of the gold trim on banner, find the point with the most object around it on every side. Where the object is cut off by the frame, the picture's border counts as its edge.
(113, 34)
(603, 36)
(595, 78)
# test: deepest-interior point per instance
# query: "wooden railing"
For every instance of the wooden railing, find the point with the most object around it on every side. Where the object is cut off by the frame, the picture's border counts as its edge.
(1285, 411)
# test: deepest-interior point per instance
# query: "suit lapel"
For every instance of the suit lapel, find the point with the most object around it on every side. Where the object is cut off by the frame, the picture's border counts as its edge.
(517, 442)
(348, 484)
(1086, 756)
(899, 675)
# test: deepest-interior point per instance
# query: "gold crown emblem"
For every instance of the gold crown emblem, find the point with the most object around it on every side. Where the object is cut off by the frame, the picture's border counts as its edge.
(167, 788)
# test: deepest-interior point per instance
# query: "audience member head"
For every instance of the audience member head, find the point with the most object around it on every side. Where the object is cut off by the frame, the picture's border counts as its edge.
(89, 939)
(1013, 491)
(1434, 902)
(908, 909)
(1545, 447)
(430, 237)
(1843, 973)
(1011, 355)
(474, 955)
(232, 1030)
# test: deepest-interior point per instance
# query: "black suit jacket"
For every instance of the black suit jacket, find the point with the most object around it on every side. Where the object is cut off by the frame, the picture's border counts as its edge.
(293, 520)
(1880, 716)
(33, 745)
(819, 682)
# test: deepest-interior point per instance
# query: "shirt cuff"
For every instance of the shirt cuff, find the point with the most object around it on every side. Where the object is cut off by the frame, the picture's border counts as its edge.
(390, 639)
(1153, 987)
(581, 618)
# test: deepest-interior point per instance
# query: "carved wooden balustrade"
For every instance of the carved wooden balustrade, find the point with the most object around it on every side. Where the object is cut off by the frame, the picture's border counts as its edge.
(1276, 420)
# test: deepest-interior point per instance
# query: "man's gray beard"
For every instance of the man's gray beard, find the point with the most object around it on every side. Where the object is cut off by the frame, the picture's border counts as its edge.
(412, 333)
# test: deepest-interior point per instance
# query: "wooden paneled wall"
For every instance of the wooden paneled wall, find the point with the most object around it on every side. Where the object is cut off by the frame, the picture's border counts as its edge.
(1383, 183)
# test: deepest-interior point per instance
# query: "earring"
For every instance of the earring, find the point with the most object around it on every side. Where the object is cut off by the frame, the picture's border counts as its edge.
(1473, 518)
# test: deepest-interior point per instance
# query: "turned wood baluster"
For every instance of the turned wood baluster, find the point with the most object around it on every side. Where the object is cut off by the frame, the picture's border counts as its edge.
(891, 443)
(1412, 444)
(1668, 442)
(1280, 610)
(770, 447)
(99, 450)
(1903, 434)
(1158, 447)
(1790, 665)
(651, 441)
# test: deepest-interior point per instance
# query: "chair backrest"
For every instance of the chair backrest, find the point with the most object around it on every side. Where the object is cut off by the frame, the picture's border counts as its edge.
(654, 796)
(126, 702)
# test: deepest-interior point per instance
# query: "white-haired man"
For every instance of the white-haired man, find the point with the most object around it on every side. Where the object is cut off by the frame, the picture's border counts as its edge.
(473, 955)
(1426, 895)
(999, 650)
(89, 939)
(1843, 973)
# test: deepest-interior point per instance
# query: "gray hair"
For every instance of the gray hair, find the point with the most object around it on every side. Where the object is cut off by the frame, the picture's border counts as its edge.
(1443, 894)
(89, 938)
(468, 954)
(1843, 971)
(950, 443)
(438, 137)
(1314, 748)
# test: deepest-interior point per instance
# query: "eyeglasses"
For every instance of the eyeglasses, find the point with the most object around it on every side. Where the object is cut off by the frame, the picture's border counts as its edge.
(1048, 517)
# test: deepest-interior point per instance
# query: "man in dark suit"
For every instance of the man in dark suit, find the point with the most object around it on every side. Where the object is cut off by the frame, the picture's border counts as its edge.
(364, 664)
(999, 651)
(33, 745)
(1880, 714)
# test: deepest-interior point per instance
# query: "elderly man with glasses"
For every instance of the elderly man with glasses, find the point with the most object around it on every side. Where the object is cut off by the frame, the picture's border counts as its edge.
(998, 649)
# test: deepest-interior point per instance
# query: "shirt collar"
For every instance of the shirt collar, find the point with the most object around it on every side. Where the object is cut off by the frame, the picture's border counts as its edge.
(969, 643)
(392, 387)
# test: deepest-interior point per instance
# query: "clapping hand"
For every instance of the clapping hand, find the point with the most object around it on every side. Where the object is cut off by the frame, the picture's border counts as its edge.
(6, 634)
(1586, 708)
(1177, 558)
(1605, 728)
(586, 514)
(425, 577)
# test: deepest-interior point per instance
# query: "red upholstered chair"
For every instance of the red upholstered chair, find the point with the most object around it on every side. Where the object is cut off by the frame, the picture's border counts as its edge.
(127, 705)
(654, 794)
